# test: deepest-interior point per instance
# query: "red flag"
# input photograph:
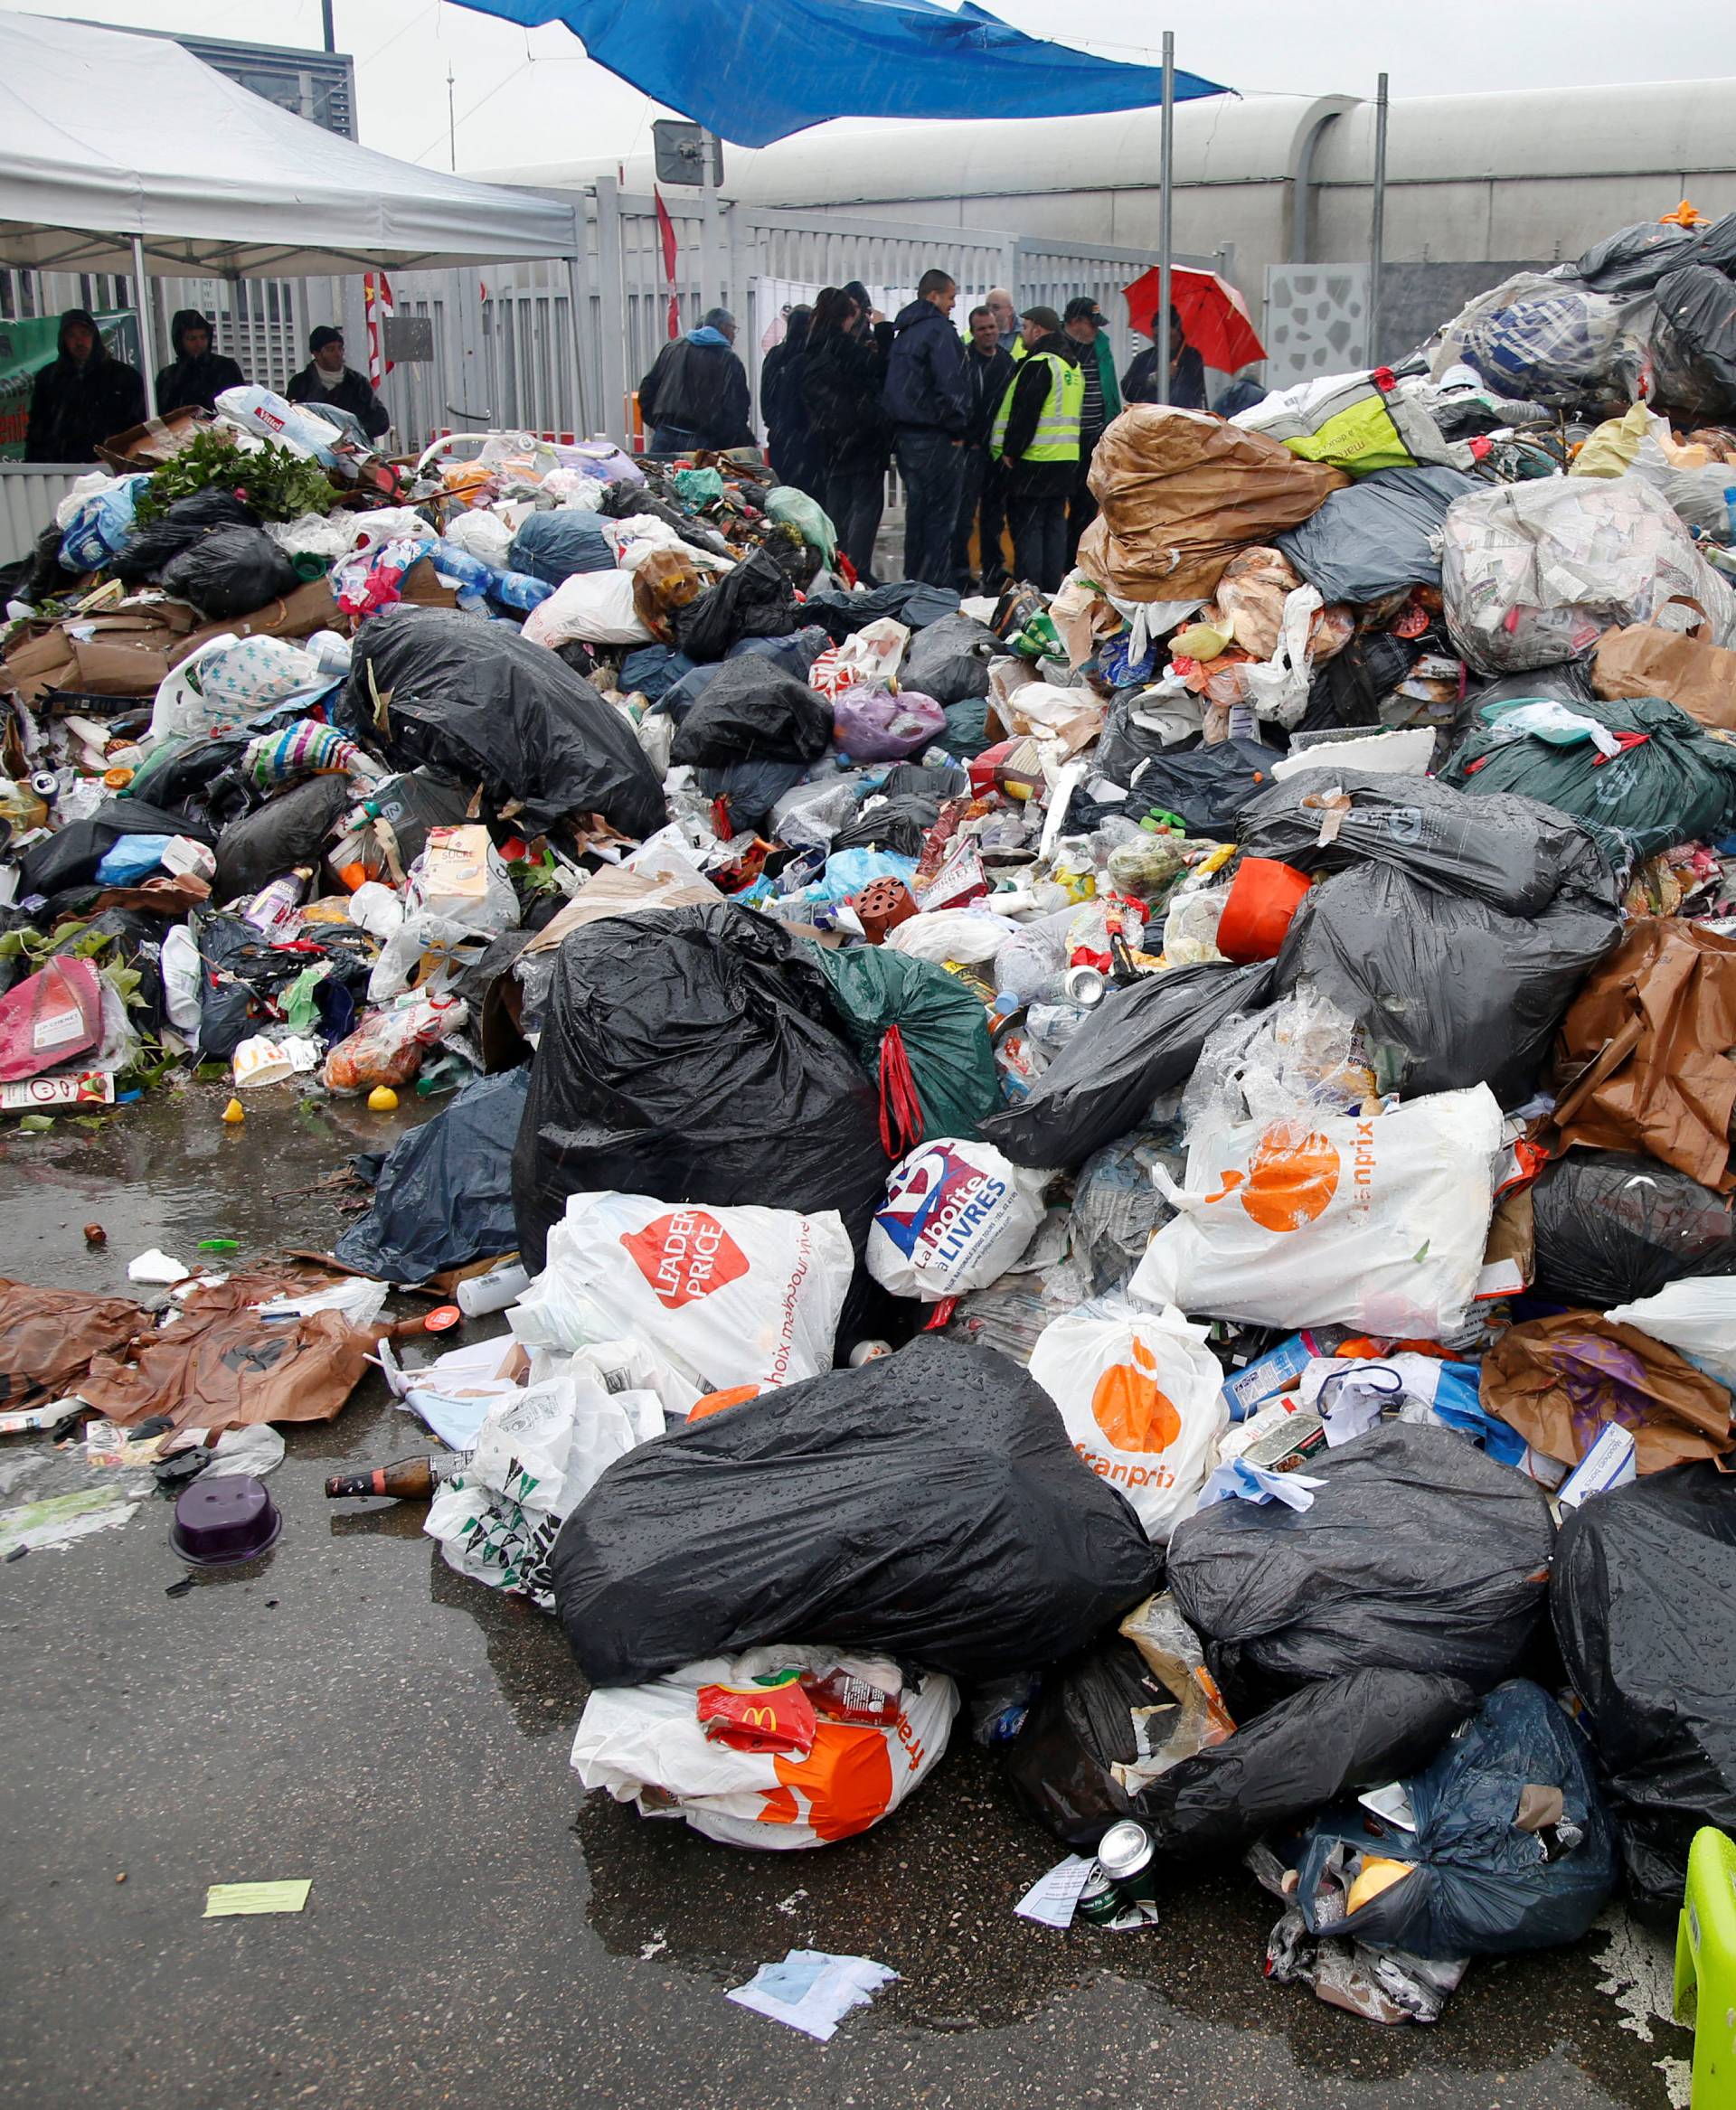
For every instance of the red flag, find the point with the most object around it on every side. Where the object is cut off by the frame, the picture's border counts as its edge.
(667, 235)
(376, 302)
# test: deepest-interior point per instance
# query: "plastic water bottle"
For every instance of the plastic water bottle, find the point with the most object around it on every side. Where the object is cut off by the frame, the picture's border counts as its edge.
(493, 1292)
(518, 590)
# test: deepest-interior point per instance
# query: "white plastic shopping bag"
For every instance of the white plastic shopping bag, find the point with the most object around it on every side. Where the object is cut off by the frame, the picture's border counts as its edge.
(644, 1743)
(1695, 1315)
(725, 1296)
(1142, 1397)
(956, 1216)
(1377, 1223)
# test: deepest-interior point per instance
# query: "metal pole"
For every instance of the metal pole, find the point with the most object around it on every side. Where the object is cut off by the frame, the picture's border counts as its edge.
(327, 24)
(1377, 225)
(451, 124)
(579, 303)
(147, 320)
(1166, 201)
(711, 292)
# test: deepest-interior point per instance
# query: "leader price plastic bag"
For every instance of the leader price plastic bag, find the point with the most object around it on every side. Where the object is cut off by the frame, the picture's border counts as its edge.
(1142, 1397)
(1378, 1222)
(956, 1216)
(726, 1296)
(644, 1743)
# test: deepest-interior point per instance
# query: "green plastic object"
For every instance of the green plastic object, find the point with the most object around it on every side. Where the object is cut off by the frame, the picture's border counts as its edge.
(1705, 1967)
(698, 487)
(806, 515)
(219, 1245)
(943, 1026)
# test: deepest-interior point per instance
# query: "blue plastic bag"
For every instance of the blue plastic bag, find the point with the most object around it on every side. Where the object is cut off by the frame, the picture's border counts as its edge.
(133, 857)
(101, 526)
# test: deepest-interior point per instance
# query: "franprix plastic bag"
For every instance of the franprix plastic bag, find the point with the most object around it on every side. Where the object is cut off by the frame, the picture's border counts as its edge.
(1513, 1850)
(1380, 535)
(1693, 344)
(1546, 340)
(693, 1054)
(906, 1014)
(927, 1506)
(750, 710)
(535, 1458)
(1612, 1225)
(1142, 1397)
(1535, 572)
(1134, 1045)
(724, 1296)
(1327, 1740)
(442, 1194)
(948, 660)
(644, 1743)
(1644, 1599)
(1377, 1223)
(475, 702)
(1419, 1553)
(956, 1216)
(870, 725)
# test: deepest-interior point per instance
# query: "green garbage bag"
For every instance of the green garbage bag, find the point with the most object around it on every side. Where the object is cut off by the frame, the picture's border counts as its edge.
(698, 487)
(806, 515)
(1674, 782)
(945, 1033)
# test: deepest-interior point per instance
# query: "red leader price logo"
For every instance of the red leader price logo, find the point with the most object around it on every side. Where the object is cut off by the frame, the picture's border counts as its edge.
(685, 1256)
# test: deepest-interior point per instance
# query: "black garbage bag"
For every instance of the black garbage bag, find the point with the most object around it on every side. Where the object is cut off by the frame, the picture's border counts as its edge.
(1514, 1848)
(1449, 991)
(288, 830)
(1614, 1226)
(652, 669)
(1678, 785)
(1693, 344)
(197, 779)
(948, 660)
(553, 546)
(1644, 1601)
(1419, 1553)
(443, 1194)
(188, 521)
(411, 804)
(1208, 786)
(1716, 245)
(750, 711)
(70, 858)
(473, 700)
(242, 973)
(230, 571)
(928, 1505)
(754, 600)
(1319, 1744)
(900, 824)
(1137, 1042)
(1380, 534)
(695, 1054)
(751, 787)
(1634, 258)
(907, 601)
(1513, 852)
(1349, 687)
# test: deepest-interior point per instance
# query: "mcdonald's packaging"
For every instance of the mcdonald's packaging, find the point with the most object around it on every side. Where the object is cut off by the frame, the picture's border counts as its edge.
(1377, 1223)
(956, 1216)
(1142, 1397)
(724, 1296)
(647, 1744)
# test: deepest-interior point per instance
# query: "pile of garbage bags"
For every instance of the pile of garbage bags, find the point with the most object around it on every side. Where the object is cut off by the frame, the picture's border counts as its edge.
(1144, 1174)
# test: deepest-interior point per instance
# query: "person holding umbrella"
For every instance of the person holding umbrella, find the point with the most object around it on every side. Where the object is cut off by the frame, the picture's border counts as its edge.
(1186, 373)
(1209, 326)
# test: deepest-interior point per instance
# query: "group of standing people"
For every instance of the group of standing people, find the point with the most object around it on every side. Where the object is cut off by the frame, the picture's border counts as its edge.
(85, 395)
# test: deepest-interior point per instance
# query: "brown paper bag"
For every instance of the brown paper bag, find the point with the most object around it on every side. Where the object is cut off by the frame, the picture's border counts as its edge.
(1642, 661)
(1558, 1381)
(48, 1336)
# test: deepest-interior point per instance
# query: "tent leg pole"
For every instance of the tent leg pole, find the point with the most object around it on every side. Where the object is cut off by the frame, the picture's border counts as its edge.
(1377, 224)
(1166, 199)
(710, 291)
(147, 347)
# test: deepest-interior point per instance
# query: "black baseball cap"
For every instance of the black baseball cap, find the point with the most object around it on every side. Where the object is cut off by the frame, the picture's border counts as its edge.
(322, 336)
(1086, 310)
(1045, 318)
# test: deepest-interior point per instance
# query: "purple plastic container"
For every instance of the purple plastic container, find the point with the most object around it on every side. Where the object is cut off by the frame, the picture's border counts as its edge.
(223, 1518)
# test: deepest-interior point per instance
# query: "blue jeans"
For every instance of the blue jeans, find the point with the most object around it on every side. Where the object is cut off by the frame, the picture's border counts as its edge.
(931, 469)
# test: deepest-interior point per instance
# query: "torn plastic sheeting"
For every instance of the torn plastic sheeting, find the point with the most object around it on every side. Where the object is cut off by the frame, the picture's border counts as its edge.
(1417, 1553)
(926, 1505)
(443, 1194)
(48, 1337)
(1644, 1599)
(1377, 537)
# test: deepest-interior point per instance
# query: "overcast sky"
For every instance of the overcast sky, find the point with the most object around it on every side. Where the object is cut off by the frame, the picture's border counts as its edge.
(523, 96)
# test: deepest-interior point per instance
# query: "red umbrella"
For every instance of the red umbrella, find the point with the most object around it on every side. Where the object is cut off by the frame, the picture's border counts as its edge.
(1214, 317)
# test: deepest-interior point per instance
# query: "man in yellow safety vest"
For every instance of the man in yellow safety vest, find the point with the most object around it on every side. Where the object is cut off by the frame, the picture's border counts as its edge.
(1036, 433)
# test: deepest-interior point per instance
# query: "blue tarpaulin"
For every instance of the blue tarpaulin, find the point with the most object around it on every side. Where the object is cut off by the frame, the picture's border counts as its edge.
(756, 70)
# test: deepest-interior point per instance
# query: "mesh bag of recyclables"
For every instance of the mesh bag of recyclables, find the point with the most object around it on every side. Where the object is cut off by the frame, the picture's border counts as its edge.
(644, 1744)
(1533, 573)
(1375, 1221)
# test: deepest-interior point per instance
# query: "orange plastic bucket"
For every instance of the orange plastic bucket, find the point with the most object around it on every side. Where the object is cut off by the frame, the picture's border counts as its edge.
(1263, 896)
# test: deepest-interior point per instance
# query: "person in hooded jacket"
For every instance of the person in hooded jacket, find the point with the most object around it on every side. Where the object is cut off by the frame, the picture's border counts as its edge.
(794, 452)
(199, 373)
(697, 393)
(842, 372)
(1036, 433)
(927, 398)
(81, 397)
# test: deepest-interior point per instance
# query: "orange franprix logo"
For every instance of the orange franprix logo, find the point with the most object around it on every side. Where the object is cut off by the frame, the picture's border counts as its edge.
(1292, 1179)
(1128, 1408)
(686, 1255)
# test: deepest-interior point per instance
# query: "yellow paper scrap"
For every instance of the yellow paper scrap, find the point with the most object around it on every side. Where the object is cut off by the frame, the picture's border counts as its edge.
(224, 1900)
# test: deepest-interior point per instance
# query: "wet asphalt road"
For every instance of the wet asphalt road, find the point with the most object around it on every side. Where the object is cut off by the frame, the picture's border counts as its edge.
(347, 1709)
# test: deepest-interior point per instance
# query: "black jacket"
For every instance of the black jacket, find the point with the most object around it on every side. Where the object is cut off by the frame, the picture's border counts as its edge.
(926, 390)
(989, 381)
(1030, 392)
(193, 380)
(352, 394)
(73, 407)
(699, 388)
(1186, 384)
(842, 379)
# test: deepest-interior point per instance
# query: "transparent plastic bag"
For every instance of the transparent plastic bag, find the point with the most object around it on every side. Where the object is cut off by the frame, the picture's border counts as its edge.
(388, 1046)
(1551, 340)
(1301, 1056)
